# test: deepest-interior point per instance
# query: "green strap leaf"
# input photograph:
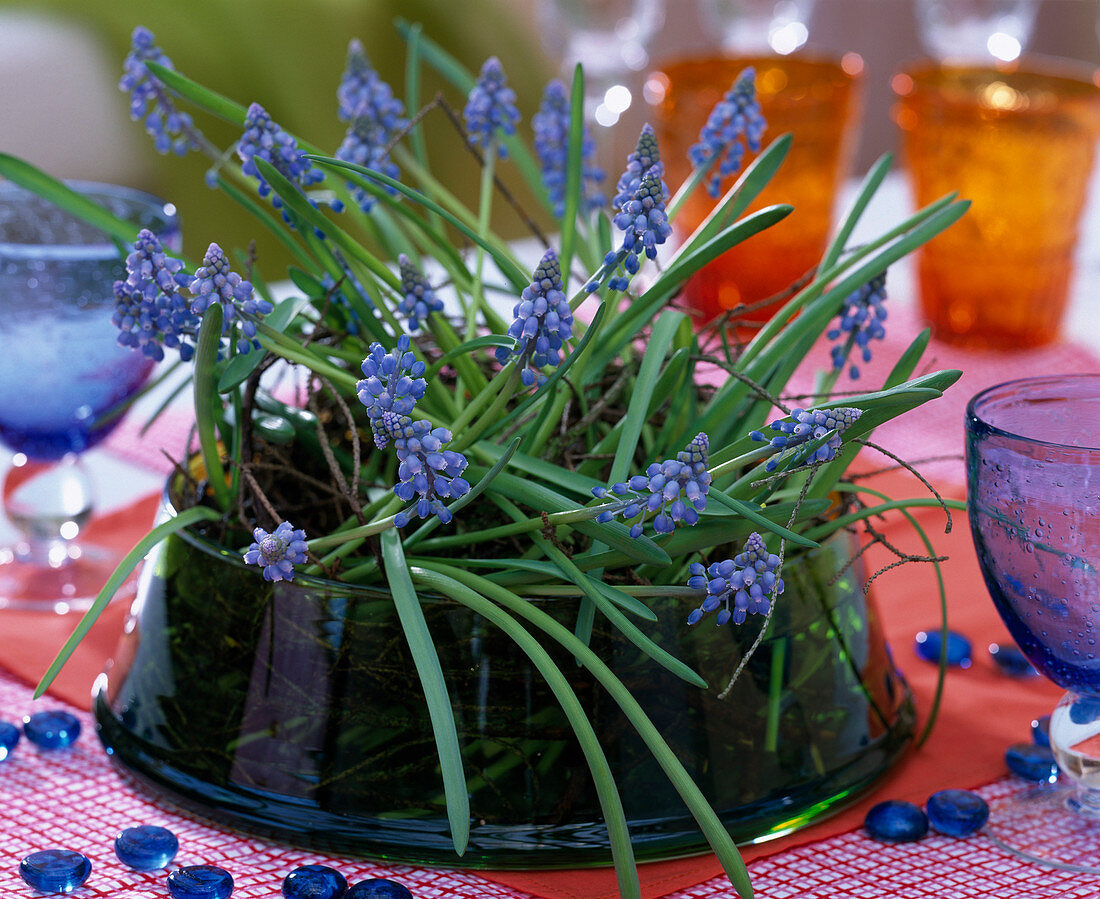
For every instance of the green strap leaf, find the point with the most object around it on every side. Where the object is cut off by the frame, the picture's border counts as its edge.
(129, 562)
(243, 364)
(753, 515)
(611, 805)
(428, 668)
(203, 97)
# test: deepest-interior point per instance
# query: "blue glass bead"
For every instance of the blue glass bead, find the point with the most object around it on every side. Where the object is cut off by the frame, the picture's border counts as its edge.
(895, 821)
(1040, 731)
(52, 730)
(55, 870)
(200, 882)
(315, 882)
(1032, 762)
(378, 888)
(1010, 661)
(956, 813)
(147, 847)
(927, 646)
(9, 736)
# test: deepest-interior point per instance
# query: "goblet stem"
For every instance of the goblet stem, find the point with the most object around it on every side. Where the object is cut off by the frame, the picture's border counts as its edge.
(49, 502)
(1075, 741)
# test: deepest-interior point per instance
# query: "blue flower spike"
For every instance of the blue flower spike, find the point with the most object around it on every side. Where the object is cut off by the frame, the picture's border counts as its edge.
(392, 385)
(150, 313)
(263, 139)
(543, 322)
(491, 111)
(956, 813)
(894, 821)
(172, 131)
(55, 870)
(374, 116)
(805, 425)
(734, 124)
(429, 473)
(861, 321)
(216, 282)
(419, 300)
(676, 490)
(748, 579)
(379, 888)
(551, 127)
(277, 552)
(646, 157)
(314, 882)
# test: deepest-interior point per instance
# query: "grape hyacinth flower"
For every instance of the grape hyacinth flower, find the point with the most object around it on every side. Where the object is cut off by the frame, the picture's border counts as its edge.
(663, 489)
(278, 551)
(419, 299)
(807, 425)
(551, 126)
(749, 579)
(391, 388)
(171, 130)
(263, 139)
(543, 322)
(216, 282)
(429, 473)
(861, 320)
(734, 123)
(645, 227)
(150, 312)
(491, 108)
(374, 116)
(646, 156)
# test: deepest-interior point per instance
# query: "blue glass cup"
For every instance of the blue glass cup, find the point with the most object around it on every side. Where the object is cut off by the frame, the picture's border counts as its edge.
(1033, 497)
(65, 380)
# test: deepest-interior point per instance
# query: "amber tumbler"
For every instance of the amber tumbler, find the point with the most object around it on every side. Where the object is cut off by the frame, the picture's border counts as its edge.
(1019, 143)
(816, 100)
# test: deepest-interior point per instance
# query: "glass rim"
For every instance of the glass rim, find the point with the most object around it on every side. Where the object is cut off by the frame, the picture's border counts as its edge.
(981, 398)
(1055, 68)
(104, 249)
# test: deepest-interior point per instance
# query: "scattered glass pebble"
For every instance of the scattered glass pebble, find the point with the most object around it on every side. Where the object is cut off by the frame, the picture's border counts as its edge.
(146, 847)
(894, 821)
(52, 730)
(1040, 731)
(315, 882)
(200, 882)
(956, 813)
(927, 646)
(55, 870)
(378, 888)
(1032, 762)
(9, 736)
(1010, 661)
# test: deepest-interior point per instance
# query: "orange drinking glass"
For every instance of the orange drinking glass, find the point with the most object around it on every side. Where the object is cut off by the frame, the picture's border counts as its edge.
(814, 99)
(1019, 142)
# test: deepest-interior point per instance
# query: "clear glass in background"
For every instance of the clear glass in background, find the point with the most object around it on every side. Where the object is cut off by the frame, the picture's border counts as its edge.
(976, 30)
(1018, 141)
(817, 101)
(1033, 494)
(64, 382)
(611, 39)
(758, 26)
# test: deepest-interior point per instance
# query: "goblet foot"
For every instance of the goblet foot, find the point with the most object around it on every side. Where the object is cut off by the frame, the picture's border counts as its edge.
(1043, 825)
(66, 580)
(1058, 824)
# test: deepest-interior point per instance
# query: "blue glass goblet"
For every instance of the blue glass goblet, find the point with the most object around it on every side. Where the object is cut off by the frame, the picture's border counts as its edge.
(65, 381)
(1033, 494)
